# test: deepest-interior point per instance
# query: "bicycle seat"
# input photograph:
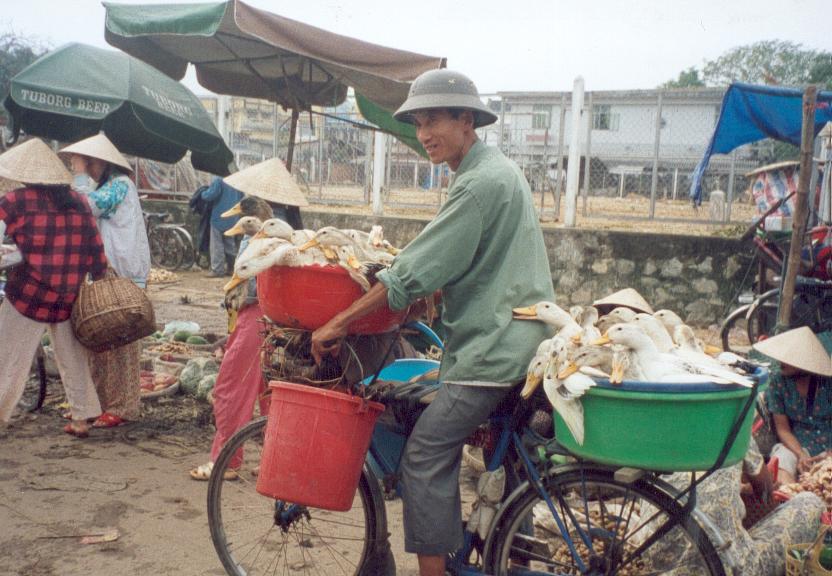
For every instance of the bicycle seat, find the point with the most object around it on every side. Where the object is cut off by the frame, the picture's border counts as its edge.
(157, 216)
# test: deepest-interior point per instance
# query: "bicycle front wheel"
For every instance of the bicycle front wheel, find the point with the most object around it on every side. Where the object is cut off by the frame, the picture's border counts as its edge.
(628, 525)
(254, 534)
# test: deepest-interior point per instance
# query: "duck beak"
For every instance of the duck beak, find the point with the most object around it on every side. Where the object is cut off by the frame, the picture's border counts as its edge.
(235, 210)
(329, 254)
(526, 313)
(570, 369)
(393, 251)
(353, 262)
(576, 339)
(260, 234)
(311, 244)
(712, 350)
(605, 339)
(532, 382)
(234, 230)
(233, 283)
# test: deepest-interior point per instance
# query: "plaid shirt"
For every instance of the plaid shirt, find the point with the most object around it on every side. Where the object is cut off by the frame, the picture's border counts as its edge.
(59, 248)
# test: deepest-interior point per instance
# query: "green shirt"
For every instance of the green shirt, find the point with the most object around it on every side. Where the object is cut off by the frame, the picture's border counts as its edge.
(485, 251)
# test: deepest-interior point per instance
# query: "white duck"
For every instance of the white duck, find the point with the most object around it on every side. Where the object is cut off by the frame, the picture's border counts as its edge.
(671, 320)
(620, 314)
(656, 330)
(552, 315)
(665, 367)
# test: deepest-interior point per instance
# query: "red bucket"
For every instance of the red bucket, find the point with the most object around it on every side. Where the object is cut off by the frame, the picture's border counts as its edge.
(315, 445)
(309, 296)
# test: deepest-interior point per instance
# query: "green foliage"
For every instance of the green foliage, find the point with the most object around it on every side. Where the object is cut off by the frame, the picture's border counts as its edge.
(770, 62)
(766, 62)
(16, 52)
(687, 79)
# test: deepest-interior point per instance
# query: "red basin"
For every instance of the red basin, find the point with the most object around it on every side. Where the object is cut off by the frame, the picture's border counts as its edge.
(309, 296)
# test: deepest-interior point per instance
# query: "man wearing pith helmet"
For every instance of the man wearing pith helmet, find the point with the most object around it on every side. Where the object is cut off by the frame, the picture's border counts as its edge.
(485, 251)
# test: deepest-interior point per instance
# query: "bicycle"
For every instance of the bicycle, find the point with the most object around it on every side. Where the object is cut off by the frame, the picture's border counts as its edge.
(588, 516)
(812, 302)
(171, 245)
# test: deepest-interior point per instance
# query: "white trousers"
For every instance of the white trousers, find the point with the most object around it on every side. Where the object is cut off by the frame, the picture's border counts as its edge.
(19, 339)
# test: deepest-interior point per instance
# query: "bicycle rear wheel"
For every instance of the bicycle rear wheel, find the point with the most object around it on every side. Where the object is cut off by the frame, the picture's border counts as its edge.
(254, 534)
(166, 248)
(810, 307)
(626, 523)
(188, 254)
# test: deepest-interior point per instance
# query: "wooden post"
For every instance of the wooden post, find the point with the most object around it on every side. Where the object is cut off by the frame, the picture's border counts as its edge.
(292, 131)
(801, 204)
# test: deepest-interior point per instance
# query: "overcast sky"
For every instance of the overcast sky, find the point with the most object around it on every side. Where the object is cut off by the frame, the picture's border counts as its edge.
(510, 44)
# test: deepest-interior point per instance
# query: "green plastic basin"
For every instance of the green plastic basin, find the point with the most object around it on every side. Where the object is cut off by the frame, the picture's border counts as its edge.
(661, 427)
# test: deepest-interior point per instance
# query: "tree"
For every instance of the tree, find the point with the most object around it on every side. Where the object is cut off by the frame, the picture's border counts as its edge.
(687, 79)
(770, 62)
(16, 52)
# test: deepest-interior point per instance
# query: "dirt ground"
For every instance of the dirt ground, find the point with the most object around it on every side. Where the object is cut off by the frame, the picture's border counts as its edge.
(55, 489)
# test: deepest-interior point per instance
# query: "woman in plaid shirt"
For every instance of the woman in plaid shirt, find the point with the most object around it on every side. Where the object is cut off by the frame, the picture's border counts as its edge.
(58, 238)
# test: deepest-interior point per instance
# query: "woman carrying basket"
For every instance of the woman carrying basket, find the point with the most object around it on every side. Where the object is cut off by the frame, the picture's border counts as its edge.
(60, 243)
(114, 201)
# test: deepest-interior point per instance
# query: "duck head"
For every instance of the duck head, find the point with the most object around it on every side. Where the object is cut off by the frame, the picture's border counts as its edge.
(249, 225)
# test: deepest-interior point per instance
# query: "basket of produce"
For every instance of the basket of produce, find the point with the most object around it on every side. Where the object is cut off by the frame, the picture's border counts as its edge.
(156, 384)
(661, 426)
(308, 297)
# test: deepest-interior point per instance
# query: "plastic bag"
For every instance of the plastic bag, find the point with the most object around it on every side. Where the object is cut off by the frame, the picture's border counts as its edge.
(180, 326)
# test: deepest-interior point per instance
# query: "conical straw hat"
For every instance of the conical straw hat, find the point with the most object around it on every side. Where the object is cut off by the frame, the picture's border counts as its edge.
(627, 297)
(270, 181)
(33, 162)
(98, 146)
(799, 348)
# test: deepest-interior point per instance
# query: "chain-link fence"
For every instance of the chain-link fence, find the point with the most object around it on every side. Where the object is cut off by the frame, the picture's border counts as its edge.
(638, 151)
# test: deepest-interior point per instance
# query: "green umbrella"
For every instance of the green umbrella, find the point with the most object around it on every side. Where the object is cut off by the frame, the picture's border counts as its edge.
(77, 91)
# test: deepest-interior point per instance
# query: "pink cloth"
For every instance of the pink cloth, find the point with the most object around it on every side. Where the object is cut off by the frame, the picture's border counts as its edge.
(240, 380)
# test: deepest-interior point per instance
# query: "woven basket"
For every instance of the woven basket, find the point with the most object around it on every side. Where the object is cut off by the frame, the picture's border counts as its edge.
(112, 312)
(808, 564)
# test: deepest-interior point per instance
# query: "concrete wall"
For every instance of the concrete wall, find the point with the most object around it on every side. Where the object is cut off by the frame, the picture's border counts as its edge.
(697, 277)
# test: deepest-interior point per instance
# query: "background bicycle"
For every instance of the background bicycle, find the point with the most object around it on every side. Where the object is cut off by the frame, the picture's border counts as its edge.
(171, 245)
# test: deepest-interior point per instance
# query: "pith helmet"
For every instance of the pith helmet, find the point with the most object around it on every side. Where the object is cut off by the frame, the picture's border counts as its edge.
(444, 89)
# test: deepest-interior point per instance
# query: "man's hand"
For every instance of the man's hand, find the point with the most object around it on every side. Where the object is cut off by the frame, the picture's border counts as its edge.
(326, 340)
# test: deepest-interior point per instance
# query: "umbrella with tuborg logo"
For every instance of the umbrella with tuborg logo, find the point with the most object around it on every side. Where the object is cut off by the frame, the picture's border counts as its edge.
(78, 90)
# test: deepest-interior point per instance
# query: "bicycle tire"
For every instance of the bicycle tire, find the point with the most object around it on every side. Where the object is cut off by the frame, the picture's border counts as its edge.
(188, 254)
(605, 509)
(729, 329)
(34, 393)
(166, 249)
(808, 309)
(254, 534)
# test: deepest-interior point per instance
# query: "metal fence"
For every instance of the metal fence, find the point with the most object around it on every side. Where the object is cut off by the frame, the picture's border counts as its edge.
(638, 150)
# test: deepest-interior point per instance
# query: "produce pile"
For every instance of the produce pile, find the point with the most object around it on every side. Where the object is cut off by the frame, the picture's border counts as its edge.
(817, 480)
(159, 276)
(177, 359)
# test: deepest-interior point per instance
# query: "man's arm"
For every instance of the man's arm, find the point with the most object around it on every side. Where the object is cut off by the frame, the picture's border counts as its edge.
(327, 338)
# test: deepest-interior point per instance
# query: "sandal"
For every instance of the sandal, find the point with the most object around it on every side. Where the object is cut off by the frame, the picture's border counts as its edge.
(107, 420)
(73, 430)
(203, 473)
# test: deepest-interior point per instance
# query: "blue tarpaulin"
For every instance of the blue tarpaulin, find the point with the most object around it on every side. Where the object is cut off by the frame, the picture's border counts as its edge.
(750, 113)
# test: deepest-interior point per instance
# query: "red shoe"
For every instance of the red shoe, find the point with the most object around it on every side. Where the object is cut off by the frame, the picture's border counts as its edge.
(107, 420)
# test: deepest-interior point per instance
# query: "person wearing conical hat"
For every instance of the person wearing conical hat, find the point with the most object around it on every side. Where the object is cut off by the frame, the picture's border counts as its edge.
(114, 201)
(271, 192)
(800, 399)
(60, 244)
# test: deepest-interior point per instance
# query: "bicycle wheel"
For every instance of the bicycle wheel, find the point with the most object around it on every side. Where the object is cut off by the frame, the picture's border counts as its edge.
(166, 248)
(626, 524)
(35, 391)
(809, 308)
(188, 254)
(734, 331)
(254, 534)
